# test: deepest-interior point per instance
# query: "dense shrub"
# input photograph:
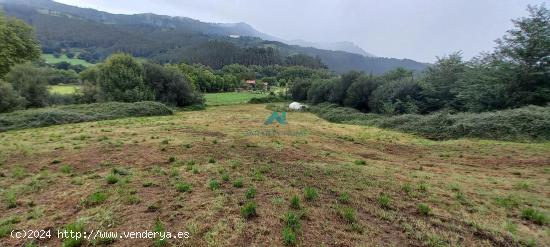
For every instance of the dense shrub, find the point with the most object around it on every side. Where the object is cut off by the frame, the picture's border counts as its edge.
(79, 113)
(398, 97)
(526, 123)
(268, 99)
(30, 82)
(121, 79)
(298, 90)
(170, 85)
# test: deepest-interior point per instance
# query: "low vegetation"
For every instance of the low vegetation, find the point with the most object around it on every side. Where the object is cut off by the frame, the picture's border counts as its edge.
(79, 113)
(526, 123)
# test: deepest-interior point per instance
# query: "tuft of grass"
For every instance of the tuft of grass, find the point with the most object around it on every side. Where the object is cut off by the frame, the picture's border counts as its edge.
(292, 220)
(74, 240)
(211, 160)
(310, 194)
(18, 172)
(522, 186)
(344, 198)
(95, 199)
(348, 214)
(67, 169)
(172, 159)
(295, 202)
(534, 215)
(508, 202)
(158, 227)
(250, 193)
(11, 198)
(249, 210)
(112, 178)
(147, 184)
(120, 171)
(183, 187)
(424, 209)
(195, 170)
(213, 184)
(238, 183)
(225, 177)
(359, 162)
(384, 200)
(289, 236)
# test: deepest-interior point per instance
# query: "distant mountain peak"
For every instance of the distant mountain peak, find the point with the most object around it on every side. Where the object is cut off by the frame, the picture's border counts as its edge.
(333, 46)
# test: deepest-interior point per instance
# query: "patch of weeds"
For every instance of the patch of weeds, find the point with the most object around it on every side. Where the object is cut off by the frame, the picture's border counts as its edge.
(153, 207)
(348, 214)
(225, 177)
(18, 172)
(257, 176)
(295, 202)
(249, 210)
(67, 169)
(11, 198)
(238, 183)
(74, 240)
(172, 159)
(235, 163)
(195, 170)
(292, 220)
(289, 236)
(120, 171)
(250, 193)
(344, 198)
(95, 199)
(424, 209)
(187, 145)
(213, 184)
(183, 187)
(423, 187)
(310, 194)
(211, 160)
(508, 202)
(384, 200)
(511, 227)
(522, 186)
(454, 187)
(5, 229)
(112, 178)
(534, 215)
(147, 184)
(360, 162)
(159, 240)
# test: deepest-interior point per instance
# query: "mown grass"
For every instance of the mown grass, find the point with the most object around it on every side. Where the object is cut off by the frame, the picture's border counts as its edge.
(63, 58)
(230, 98)
(64, 89)
(413, 190)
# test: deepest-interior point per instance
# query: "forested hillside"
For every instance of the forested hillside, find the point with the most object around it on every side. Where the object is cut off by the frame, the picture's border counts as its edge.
(98, 34)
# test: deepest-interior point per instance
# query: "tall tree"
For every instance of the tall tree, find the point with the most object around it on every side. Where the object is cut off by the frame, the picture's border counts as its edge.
(121, 79)
(528, 48)
(17, 43)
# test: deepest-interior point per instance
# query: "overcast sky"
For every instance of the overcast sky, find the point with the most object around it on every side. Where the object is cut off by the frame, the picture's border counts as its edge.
(416, 29)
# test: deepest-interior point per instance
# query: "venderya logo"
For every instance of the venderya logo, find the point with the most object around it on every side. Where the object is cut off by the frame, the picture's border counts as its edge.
(281, 119)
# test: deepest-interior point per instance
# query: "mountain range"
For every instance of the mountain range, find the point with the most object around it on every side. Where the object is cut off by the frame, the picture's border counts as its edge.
(176, 39)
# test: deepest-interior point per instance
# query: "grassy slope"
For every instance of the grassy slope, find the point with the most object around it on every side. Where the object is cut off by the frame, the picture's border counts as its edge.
(215, 99)
(63, 89)
(63, 58)
(476, 189)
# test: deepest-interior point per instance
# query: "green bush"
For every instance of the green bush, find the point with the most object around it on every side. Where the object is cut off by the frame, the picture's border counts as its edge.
(526, 123)
(79, 113)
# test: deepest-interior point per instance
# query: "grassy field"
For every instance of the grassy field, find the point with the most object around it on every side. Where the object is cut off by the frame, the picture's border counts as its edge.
(63, 58)
(229, 180)
(64, 89)
(215, 99)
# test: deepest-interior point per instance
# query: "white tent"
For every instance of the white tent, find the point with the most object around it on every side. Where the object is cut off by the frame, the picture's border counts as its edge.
(296, 106)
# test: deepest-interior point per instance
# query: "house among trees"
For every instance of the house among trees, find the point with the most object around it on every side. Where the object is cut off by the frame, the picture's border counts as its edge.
(250, 84)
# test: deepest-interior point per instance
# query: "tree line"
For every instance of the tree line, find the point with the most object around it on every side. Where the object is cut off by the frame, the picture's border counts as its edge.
(515, 74)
